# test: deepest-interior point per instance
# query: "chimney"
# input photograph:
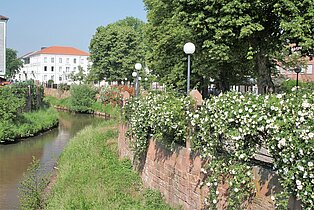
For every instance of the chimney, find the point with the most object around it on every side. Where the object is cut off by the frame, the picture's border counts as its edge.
(43, 48)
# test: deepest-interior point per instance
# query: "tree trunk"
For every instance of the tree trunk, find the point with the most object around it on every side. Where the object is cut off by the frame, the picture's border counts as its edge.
(264, 80)
(205, 87)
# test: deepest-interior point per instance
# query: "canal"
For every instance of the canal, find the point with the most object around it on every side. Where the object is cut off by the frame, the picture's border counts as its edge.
(16, 158)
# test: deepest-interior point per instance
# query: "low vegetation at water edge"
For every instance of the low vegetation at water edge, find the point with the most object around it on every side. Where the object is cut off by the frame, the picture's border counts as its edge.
(28, 124)
(91, 176)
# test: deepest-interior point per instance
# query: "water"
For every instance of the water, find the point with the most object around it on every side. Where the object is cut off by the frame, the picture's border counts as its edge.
(16, 158)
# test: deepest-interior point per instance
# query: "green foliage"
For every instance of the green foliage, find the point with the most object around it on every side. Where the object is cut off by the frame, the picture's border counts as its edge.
(289, 85)
(30, 93)
(165, 36)
(98, 179)
(82, 98)
(32, 187)
(228, 130)
(115, 49)
(160, 115)
(28, 124)
(234, 39)
(13, 63)
(64, 102)
(78, 76)
(10, 104)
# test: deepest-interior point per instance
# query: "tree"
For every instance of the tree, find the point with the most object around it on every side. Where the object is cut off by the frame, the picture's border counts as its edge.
(79, 76)
(250, 34)
(115, 49)
(13, 64)
(167, 30)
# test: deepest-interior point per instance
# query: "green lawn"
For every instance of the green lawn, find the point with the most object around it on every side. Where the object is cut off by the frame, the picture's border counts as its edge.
(92, 177)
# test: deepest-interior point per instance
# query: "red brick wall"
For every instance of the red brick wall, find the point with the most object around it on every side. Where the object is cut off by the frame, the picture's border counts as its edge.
(177, 175)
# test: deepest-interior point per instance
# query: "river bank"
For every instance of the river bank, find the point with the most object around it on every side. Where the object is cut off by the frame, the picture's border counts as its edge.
(99, 180)
(28, 124)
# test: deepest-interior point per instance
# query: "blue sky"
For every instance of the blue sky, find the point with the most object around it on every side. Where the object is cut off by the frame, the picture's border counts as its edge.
(39, 23)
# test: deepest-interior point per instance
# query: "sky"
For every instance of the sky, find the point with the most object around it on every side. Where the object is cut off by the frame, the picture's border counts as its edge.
(40, 23)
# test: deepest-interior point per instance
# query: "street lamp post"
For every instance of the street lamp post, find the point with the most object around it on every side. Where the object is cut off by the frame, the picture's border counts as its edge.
(134, 74)
(297, 70)
(189, 49)
(138, 67)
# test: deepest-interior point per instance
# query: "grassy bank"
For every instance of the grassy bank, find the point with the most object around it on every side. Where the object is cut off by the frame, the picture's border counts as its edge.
(28, 124)
(95, 107)
(91, 176)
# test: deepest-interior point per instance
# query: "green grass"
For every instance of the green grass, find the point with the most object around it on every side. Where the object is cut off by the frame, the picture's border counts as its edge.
(91, 176)
(28, 124)
(97, 106)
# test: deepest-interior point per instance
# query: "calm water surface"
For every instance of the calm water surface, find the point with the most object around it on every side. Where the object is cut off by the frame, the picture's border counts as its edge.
(15, 158)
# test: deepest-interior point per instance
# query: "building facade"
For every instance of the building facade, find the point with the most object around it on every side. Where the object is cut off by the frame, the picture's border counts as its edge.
(306, 75)
(53, 64)
(3, 22)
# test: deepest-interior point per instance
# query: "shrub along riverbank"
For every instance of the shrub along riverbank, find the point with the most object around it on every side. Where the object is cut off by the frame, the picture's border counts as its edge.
(22, 112)
(83, 99)
(91, 176)
(28, 124)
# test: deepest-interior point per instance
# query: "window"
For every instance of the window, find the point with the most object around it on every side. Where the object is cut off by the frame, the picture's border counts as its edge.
(45, 77)
(74, 60)
(45, 59)
(52, 60)
(52, 77)
(74, 69)
(82, 60)
(309, 69)
(68, 60)
(60, 78)
(67, 69)
(45, 68)
(60, 60)
(52, 68)
(60, 68)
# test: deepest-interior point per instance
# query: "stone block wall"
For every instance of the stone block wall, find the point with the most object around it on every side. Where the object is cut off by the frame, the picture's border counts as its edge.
(56, 93)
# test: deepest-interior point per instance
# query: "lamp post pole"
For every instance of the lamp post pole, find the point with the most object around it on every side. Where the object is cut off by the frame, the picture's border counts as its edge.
(297, 70)
(138, 67)
(189, 49)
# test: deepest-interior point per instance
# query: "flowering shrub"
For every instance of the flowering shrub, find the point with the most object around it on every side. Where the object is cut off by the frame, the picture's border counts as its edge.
(113, 94)
(228, 130)
(160, 115)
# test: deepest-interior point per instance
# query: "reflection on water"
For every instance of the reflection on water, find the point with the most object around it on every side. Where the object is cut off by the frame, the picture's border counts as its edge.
(15, 158)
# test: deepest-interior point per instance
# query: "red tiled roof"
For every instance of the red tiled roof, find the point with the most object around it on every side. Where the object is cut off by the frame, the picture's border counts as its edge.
(3, 18)
(62, 51)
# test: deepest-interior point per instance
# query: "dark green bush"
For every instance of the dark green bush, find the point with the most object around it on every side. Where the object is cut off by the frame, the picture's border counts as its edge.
(10, 104)
(288, 85)
(82, 98)
(29, 92)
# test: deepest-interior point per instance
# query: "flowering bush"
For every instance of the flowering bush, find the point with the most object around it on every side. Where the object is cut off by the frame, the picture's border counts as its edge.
(160, 115)
(228, 130)
(113, 94)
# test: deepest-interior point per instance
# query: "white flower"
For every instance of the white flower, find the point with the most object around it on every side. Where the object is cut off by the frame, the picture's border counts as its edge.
(241, 156)
(310, 164)
(311, 135)
(214, 201)
(301, 168)
(236, 190)
(282, 143)
(272, 198)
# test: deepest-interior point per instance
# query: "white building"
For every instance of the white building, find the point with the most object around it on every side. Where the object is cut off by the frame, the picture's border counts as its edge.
(53, 63)
(3, 21)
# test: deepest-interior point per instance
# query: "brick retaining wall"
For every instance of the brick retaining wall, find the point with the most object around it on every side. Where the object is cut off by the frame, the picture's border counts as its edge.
(177, 175)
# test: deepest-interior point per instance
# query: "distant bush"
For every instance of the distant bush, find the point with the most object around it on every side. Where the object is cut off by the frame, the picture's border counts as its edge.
(82, 98)
(288, 85)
